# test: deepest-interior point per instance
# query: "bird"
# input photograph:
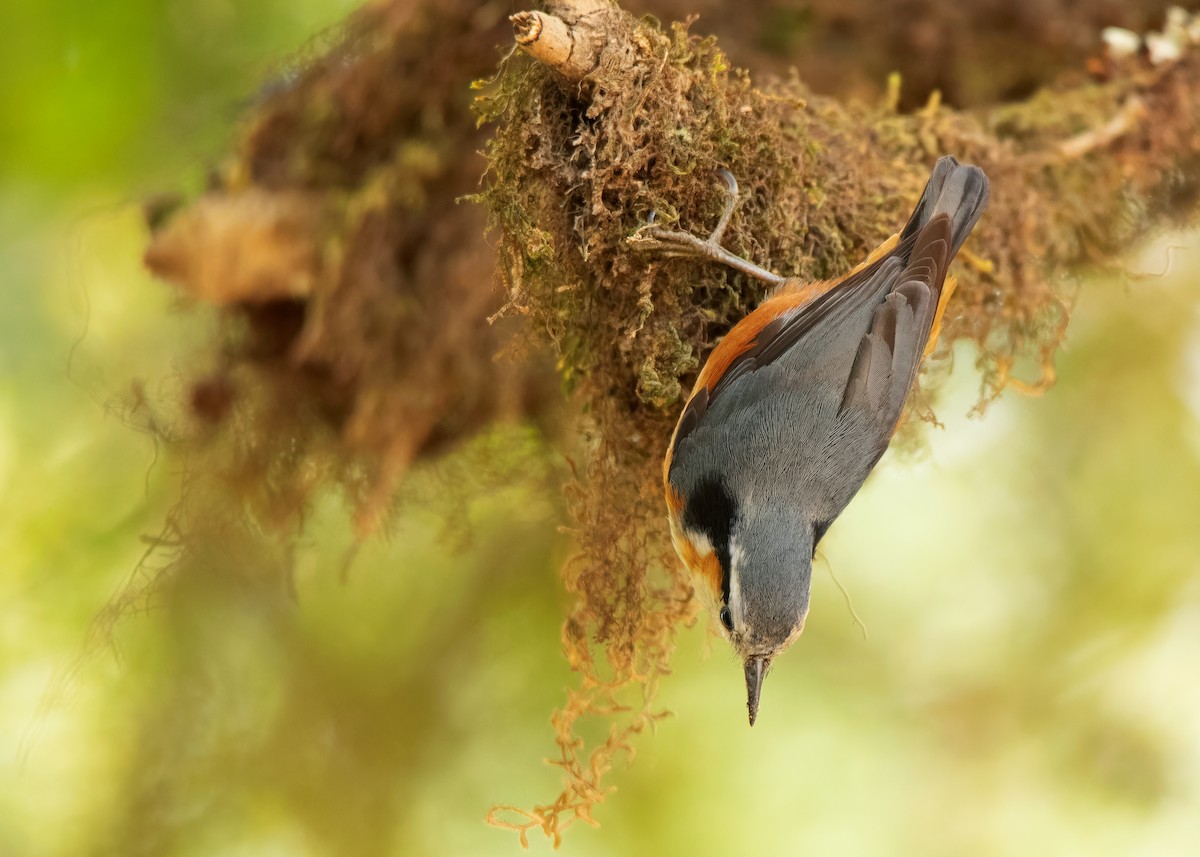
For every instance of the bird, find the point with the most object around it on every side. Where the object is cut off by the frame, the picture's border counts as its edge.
(793, 409)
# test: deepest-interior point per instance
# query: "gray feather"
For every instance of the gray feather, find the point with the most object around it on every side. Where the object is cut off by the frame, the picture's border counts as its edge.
(797, 423)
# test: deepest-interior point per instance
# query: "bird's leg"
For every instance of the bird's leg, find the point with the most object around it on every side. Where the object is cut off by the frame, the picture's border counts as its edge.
(671, 242)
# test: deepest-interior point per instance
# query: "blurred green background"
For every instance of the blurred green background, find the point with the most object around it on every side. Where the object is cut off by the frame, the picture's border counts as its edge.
(1031, 581)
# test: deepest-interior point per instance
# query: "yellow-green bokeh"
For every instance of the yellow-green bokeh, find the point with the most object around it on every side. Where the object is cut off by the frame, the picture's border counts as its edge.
(1031, 581)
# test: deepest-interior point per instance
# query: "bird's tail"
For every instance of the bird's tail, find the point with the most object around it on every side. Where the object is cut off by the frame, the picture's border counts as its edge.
(954, 189)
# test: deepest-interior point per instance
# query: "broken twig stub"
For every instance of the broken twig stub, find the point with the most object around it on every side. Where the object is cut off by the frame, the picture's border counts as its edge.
(569, 39)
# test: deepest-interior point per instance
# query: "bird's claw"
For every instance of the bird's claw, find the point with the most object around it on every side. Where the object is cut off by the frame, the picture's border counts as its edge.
(731, 194)
(672, 243)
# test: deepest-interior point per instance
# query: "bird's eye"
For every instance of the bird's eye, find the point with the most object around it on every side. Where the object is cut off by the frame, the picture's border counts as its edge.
(727, 618)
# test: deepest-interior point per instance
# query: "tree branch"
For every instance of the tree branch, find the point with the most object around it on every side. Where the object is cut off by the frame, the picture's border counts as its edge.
(1078, 174)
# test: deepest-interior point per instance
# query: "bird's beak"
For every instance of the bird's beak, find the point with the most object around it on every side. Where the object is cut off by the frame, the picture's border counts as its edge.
(756, 668)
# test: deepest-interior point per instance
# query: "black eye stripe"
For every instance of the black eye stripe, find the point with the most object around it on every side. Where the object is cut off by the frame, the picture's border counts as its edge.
(711, 510)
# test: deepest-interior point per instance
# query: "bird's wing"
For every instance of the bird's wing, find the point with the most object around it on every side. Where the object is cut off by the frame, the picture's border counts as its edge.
(890, 353)
(738, 355)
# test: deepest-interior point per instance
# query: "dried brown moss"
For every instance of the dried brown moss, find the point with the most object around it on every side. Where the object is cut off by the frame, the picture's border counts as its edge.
(575, 168)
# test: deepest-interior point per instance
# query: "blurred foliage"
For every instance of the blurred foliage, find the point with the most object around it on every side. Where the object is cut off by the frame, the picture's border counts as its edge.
(1031, 586)
(964, 50)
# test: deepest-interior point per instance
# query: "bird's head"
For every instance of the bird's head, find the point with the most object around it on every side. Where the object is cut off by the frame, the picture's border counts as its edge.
(753, 562)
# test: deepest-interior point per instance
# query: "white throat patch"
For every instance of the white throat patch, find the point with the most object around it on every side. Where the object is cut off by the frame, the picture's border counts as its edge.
(736, 555)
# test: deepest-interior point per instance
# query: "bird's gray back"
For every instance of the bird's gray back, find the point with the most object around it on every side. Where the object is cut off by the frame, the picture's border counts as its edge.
(787, 417)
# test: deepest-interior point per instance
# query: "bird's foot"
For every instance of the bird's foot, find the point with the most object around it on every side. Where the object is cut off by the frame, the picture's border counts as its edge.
(673, 243)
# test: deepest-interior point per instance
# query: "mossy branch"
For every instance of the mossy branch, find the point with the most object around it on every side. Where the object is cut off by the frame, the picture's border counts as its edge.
(578, 162)
(1079, 173)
